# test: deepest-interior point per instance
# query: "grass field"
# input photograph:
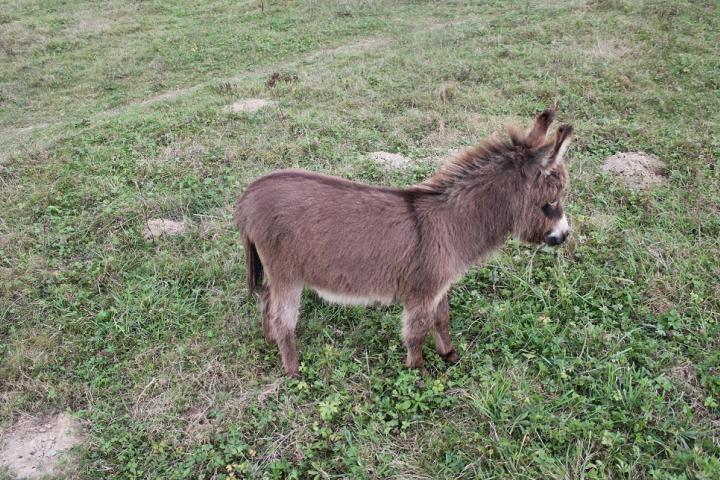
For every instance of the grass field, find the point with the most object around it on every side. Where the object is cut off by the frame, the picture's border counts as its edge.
(598, 360)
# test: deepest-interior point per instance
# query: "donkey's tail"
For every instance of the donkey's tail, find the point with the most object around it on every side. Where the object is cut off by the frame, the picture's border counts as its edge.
(253, 267)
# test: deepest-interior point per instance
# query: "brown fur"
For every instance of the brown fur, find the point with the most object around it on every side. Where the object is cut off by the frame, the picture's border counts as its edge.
(363, 244)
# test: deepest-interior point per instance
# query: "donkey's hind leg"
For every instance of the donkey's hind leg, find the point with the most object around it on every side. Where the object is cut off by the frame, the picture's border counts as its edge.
(417, 321)
(443, 344)
(285, 305)
(267, 313)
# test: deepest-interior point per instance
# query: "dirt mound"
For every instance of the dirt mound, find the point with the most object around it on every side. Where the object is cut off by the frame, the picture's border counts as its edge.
(157, 227)
(249, 105)
(638, 170)
(390, 160)
(34, 449)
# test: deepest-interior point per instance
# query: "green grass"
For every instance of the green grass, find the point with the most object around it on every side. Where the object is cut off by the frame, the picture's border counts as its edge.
(597, 360)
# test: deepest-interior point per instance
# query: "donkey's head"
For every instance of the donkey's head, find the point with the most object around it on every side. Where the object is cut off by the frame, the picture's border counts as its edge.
(538, 214)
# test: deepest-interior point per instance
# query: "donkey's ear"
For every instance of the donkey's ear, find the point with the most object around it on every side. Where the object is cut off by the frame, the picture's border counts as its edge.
(563, 137)
(536, 135)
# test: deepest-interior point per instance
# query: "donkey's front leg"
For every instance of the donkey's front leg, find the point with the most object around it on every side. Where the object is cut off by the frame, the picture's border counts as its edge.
(443, 344)
(417, 320)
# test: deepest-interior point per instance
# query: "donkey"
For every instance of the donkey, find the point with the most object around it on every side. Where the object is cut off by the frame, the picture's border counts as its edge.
(359, 244)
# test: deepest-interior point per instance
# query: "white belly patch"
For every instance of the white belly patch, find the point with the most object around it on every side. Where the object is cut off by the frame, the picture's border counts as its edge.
(349, 299)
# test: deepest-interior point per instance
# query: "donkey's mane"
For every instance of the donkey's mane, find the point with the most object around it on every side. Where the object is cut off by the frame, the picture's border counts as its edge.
(494, 156)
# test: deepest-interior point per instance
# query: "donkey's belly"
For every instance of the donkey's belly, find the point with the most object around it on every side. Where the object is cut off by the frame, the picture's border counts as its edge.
(351, 299)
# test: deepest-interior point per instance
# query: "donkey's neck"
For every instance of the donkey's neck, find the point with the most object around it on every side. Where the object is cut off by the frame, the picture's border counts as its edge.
(470, 224)
(469, 201)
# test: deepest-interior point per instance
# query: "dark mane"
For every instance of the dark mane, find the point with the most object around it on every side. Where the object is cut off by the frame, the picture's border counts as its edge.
(495, 155)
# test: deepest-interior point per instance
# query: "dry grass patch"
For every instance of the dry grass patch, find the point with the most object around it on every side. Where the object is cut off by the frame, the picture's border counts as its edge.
(18, 37)
(685, 378)
(184, 150)
(91, 23)
(446, 91)
(355, 47)
(480, 126)
(390, 160)
(217, 221)
(602, 221)
(21, 131)
(192, 391)
(609, 49)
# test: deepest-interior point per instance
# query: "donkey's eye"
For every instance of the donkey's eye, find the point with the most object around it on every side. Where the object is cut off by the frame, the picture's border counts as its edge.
(552, 210)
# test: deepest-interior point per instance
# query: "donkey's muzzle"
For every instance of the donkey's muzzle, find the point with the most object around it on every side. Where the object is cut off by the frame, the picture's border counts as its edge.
(556, 239)
(559, 233)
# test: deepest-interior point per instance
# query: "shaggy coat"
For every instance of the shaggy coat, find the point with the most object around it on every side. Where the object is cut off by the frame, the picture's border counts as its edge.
(360, 244)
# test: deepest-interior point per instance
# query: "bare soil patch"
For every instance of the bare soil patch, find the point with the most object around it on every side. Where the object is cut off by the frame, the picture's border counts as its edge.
(39, 447)
(19, 131)
(638, 170)
(249, 105)
(390, 160)
(158, 227)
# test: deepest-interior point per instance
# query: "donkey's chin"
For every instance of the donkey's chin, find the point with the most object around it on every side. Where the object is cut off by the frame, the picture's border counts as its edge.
(534, 240)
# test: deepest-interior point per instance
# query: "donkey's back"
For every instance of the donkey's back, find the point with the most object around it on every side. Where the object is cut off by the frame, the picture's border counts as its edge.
(349, 241)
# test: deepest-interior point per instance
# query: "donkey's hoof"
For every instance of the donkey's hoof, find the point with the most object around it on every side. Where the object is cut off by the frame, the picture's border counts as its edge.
(451, 357)
(293, 373)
